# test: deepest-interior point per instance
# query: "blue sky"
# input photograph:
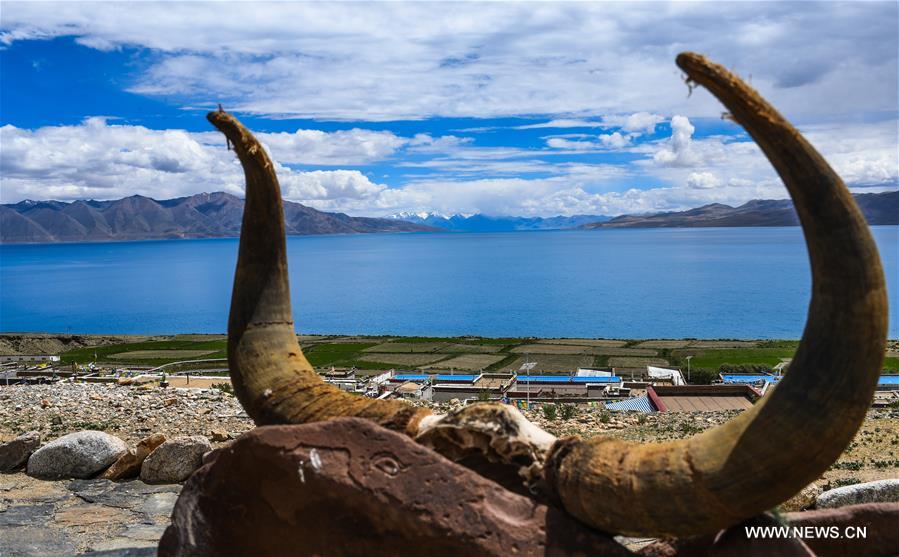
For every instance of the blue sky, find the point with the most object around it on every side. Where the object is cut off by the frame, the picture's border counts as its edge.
(498, 108)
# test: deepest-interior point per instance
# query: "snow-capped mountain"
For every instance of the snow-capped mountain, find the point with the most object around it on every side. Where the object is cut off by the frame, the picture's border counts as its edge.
(484, 223)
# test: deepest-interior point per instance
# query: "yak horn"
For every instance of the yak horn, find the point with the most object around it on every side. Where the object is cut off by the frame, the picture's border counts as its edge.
(272, 378)
(767, 454)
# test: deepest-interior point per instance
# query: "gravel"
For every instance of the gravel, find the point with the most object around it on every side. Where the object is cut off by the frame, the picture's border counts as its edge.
(130, 413)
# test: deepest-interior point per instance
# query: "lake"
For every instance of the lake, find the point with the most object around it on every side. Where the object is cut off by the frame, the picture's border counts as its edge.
(637, 283)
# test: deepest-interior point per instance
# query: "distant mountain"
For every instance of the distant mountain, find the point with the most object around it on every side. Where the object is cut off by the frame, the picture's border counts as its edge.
(878, 208)
(205, 215)
(484, 223)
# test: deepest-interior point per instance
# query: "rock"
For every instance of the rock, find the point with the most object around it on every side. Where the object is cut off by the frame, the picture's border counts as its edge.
(175, 460)
(76, 455)
(128, 465)
(880, 491)
(878, 519)
(219, 436)
(311, 489)
(14, 454)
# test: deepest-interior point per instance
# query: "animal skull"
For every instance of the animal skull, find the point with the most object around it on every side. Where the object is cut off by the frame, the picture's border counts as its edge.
(687, 487)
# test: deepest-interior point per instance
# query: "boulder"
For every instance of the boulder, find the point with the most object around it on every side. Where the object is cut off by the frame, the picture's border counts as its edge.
(128, 465)
(175, 460)
(14, 454)
(880, 491)
(858, 530)
(77, 455)
(350, 487)
(879, 520)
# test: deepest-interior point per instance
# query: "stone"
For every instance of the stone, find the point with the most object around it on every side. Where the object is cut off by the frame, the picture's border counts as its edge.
(880, 491)
(732, 542)
(350, 487)
(879, 520)
(28, 541)
(175, 460)
(881, 538)
(128, 465)
(14, 454)
(219, 436)
(77, 455)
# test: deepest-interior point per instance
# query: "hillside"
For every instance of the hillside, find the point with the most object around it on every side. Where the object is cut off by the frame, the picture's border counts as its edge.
(878, 208)
(205, 215)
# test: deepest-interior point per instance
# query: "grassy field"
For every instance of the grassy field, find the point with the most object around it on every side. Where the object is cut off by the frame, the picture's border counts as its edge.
(462, 353)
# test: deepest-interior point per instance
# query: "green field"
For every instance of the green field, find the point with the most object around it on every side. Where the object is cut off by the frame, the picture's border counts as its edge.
(471, 353)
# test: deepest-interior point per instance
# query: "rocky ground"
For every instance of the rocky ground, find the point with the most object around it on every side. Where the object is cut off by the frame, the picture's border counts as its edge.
(130, 413)
(76, 516)
(73, 516)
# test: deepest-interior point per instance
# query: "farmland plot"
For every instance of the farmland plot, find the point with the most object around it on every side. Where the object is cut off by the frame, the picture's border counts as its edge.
(663, 344)
(471, 348)
(407, 360)
(469, 362)
(408, 347)
(724, 344)
(585, 342)
(627, 361)
(160, 354)
(552, 363)
(549, 349)
(623, 352)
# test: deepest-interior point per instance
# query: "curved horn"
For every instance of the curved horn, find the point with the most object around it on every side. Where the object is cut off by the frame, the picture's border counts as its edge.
(272, 378)
(788, 439)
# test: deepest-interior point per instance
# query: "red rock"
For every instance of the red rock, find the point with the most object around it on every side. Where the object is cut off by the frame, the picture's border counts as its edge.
(128, 465)
(350, 487)
(879, 519)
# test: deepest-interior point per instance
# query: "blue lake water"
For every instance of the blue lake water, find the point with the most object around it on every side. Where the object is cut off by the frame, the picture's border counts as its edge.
(703, 283)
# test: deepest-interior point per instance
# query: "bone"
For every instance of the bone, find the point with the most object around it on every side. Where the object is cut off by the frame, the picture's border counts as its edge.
(767, 454)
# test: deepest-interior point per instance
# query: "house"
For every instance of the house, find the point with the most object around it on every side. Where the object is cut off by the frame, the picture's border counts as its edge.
(689, 398)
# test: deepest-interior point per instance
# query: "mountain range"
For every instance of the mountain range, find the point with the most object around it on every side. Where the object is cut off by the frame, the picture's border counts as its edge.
(205, 215)
(878, 208)
(485, 223)
(216, 215)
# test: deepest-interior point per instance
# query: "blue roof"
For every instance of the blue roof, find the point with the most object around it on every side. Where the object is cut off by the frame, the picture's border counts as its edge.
(411, 377)
(456, 377)
(609, 379)
(736, 378)
(438, 377)
(640, 404)
(566, 379)
(888, 380)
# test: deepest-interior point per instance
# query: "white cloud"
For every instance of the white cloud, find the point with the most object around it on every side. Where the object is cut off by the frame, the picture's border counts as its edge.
(637, 123)
(103, 161)
(562, 123)
(702, 180)
(614, 140)
(571, 61)
(98, 159)
(611, 141)
(344, 147)
(679, 149)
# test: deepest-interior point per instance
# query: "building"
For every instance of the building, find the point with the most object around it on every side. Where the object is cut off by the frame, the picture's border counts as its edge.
(888, 383)
(689, 398)
(702, 398)
(564, 388)
(748, 378)
(415, 390)
(29, 358)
